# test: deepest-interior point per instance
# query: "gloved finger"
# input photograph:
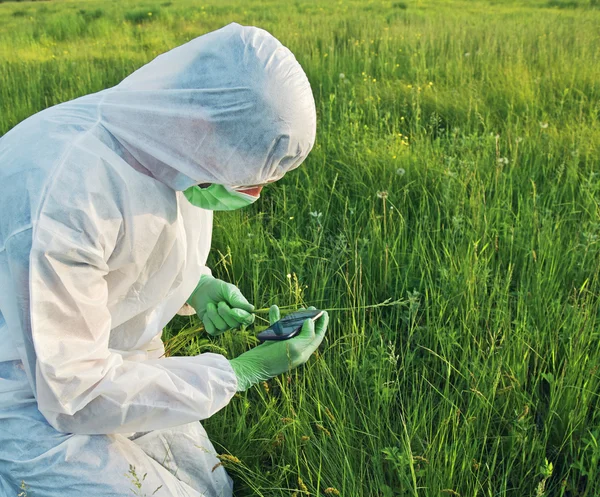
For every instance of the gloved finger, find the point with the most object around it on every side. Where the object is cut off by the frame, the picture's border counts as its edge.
(225, 312)
(307, 332)
(241, 316)
(321, 326)
(274, 314)
(213, 315)
(312, 308)
(209, 326)
(236, 299)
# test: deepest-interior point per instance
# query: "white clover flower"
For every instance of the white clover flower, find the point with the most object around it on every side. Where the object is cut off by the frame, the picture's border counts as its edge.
(400, 171)
(342, 75)
(543, 125)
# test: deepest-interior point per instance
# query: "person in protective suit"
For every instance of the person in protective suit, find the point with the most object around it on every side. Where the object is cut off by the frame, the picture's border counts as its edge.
(105, 227)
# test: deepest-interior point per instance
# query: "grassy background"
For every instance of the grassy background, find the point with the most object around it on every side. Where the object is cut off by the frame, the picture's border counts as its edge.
(456, 173)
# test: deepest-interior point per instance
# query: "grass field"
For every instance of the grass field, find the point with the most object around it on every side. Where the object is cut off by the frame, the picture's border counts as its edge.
(455, 180)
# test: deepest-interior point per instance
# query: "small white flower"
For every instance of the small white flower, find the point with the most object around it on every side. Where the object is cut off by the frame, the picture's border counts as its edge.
(382, 194)
(502, 160)
(342, 75)
(543, 125)
(400, 171)
(518, 139)
(467, 54)
(288, 276)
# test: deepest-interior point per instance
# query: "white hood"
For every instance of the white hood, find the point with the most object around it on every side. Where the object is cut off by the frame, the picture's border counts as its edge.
(232, 107)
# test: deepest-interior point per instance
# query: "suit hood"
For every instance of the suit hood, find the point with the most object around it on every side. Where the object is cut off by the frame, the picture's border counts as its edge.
(231, 107)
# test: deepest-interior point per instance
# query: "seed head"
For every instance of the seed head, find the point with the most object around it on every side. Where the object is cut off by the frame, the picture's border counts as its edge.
(302, 486)
(329, 415)
(323, 429)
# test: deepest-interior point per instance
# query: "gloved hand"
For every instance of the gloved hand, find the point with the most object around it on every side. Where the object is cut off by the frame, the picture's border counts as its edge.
(220, 305)
(275, 357)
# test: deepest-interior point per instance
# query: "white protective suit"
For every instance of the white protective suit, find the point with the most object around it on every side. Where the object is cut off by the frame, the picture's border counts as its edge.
(99, 249)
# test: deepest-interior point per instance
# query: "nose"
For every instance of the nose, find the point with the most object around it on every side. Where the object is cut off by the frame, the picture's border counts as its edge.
(254, 191)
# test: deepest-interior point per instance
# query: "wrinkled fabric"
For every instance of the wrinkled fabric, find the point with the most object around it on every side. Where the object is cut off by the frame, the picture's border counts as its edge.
(175, 461)
(246, 120)
(99, 248)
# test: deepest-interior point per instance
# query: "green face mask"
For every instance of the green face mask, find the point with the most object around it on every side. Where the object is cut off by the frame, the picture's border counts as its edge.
(218, 198)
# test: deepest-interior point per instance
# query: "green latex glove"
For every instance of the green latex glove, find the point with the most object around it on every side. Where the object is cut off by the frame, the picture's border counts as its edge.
(220, 305)
(275, 357)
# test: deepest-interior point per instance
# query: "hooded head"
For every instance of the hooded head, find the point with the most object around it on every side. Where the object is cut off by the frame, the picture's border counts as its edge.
(232, 107)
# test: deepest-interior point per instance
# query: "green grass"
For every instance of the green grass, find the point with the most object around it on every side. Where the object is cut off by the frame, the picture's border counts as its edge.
(456, 171)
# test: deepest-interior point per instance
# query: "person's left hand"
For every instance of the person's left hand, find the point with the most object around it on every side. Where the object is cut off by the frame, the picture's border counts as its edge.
(220, 305)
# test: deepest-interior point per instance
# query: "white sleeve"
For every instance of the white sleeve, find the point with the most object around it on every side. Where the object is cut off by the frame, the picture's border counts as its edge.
(83, 387)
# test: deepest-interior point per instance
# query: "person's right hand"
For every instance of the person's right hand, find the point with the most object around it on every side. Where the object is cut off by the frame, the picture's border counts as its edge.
(220, 305)
(275, 357)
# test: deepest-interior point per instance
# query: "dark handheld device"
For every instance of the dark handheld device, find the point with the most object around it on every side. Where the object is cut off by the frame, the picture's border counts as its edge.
(289, 326)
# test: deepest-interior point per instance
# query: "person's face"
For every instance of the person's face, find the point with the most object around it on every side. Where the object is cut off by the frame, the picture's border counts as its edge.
(254, 191)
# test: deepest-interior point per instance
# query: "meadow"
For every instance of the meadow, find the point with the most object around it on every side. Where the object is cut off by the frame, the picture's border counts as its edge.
(448, 217)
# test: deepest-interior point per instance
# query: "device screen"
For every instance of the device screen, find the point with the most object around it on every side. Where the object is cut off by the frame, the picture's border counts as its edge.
(289, 326)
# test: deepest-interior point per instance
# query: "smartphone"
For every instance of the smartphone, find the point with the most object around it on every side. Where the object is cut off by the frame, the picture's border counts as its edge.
(289, 326)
